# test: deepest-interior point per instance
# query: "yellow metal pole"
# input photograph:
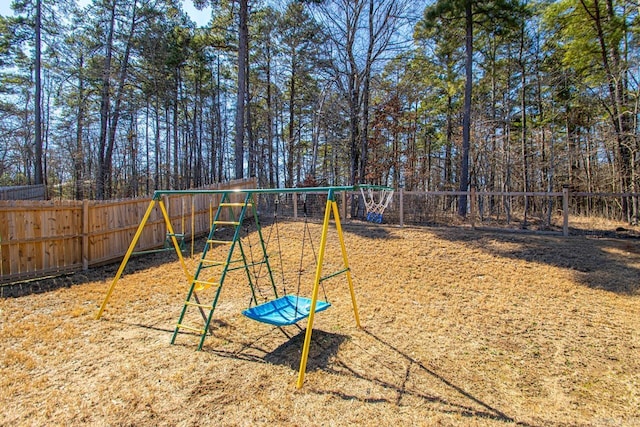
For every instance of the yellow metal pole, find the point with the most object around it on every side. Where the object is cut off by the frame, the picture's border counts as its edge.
(193, 223)
(210, 213)
(336, 216)
(182, 216)
(314, 296)
(167, 222)
(123, 264)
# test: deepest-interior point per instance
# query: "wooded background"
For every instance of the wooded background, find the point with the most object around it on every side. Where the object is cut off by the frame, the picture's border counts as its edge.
(115, 98)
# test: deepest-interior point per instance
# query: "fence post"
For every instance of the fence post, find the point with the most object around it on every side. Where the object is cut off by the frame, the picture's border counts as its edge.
(295, 205)
(472, 206)
(401, 202)
(344, 205)
(85, 234)
(565, 210)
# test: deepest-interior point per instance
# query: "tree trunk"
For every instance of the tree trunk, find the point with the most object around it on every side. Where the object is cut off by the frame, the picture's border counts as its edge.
(38, 175)
(523, 133)
(448, 166)
(147, 175)
(291, 142)
(113, 123)
(78, 155)
(354, 113)
(243, 48)
(270, 151)
(105, 105)
(176, 135)
(158, 150)
(252, 164)
(315, 135)
(611, 61)
(217, 153)
(364, 131)
(466, 119)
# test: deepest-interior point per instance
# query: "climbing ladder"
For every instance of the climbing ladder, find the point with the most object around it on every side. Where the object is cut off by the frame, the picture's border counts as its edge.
(223, 266)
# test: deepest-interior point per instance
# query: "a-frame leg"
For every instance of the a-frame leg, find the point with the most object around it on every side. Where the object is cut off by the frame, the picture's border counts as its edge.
(331, 207)
(125, 260)
(175, 242)
(343, 248)
(133, 244)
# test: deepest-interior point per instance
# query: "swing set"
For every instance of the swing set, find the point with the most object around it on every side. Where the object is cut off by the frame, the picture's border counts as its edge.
(224, 252)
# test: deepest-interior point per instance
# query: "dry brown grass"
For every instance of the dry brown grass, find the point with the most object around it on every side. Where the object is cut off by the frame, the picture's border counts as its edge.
(461, 327)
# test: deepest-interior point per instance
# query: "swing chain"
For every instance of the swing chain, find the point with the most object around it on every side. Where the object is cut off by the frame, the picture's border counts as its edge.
(305, 232)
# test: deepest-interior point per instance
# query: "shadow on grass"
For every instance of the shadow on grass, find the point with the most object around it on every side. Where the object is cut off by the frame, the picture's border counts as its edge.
(66, 280)
(324, 346)
(323, 356)
(367, 230)
(598, 263)
(476, 408)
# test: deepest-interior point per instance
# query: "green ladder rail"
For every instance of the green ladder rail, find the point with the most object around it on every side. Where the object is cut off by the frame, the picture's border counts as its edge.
(247, 209)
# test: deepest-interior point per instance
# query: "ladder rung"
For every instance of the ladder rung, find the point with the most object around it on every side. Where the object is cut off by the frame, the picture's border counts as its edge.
(190, 328)
(194, 304)
(201, 285)
(205, 282)
(247, 265)
(235, 205)
(226, 223)
(220, 242)
(180, 235)
(212, 263)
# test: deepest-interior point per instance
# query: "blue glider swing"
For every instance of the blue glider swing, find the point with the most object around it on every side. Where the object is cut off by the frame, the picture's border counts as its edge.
(284, 311)
(288, 309)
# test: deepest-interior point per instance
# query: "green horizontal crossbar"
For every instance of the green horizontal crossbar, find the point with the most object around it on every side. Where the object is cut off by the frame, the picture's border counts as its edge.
(252, 264)
(157, 195)
(337, 273)
(153, 251)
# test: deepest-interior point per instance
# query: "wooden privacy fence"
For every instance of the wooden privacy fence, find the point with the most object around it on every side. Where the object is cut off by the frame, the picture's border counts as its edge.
(43, 238)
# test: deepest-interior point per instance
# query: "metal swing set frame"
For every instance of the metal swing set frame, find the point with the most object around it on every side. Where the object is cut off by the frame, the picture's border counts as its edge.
(240, 204)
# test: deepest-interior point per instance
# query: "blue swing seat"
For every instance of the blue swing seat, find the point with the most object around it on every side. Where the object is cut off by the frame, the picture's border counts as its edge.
(284, 311)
